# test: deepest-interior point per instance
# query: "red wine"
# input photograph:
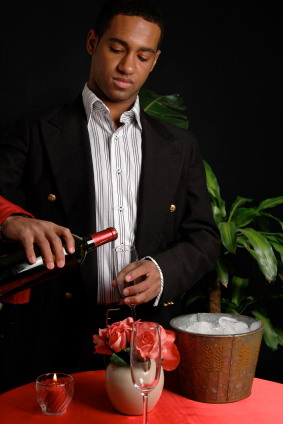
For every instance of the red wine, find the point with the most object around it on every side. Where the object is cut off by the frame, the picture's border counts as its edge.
(17, 274)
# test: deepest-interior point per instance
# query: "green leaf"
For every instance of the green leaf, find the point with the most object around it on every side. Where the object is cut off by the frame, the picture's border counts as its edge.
(269, 333)
(117, 359)
(166, 107)
(192, 299)
(228, 307)
(217, 215)
(238, 202)
(262, 252)
(244, 216)
(212, 180)
(222, 272)
(239, 286)
(272, 217)
(273, 236)
(279, 332)
(218, 203)
(276, 241)
(228, 235)
(270, 203)
(276, 245)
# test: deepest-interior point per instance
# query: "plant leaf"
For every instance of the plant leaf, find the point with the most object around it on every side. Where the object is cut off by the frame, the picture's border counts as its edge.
(279, 332)
(274, 236)
(217, 215)
(214, 191)
(238, 202)
(278, 248)
(117, 359)
(228, 235)
(239, 286)
(243, 216)
(262, 252)
(276, 245)
(192, 299)
(212, 180)
(222, 272)
(269, 333)
(270, 203)
(268, 215)
(166, 107)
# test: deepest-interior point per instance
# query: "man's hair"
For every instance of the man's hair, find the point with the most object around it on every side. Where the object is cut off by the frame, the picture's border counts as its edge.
(145, 9)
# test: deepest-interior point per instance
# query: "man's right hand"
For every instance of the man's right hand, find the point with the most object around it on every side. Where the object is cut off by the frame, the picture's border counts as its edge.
(45, 234)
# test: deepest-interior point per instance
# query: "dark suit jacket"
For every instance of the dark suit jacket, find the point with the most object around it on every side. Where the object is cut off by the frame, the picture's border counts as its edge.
(49, 152)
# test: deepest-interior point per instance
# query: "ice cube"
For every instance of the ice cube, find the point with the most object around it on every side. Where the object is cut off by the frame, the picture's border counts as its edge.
(201, 327)
(205, 327)
(226, 321)
(217, 330)
(240, 327)
(255, 326)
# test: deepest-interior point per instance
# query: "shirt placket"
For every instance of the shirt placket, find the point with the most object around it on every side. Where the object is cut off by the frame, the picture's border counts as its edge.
(118, 184)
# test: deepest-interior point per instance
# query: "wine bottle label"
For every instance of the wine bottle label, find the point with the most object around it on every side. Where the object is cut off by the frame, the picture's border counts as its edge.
(23, 267)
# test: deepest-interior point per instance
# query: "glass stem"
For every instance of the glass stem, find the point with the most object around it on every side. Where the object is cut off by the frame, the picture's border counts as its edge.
(145, 403)
(133, 311)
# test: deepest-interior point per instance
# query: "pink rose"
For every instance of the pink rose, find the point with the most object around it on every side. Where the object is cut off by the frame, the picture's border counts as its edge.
(101, 345)
(119, 334)
(148, 346)
(115, 337)
(169, 350)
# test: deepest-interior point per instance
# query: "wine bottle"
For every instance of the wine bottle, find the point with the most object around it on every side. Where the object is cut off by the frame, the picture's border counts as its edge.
(17, 274)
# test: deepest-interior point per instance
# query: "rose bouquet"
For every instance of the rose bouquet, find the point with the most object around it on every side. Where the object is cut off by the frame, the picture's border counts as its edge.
(115, 341)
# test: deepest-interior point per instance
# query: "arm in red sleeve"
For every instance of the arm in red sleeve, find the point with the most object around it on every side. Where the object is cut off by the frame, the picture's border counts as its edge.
(6, 209)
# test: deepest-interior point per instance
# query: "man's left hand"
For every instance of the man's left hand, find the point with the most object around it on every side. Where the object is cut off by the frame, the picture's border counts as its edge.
(148, 285)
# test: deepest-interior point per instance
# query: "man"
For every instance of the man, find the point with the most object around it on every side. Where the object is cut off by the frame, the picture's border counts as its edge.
(101, 162)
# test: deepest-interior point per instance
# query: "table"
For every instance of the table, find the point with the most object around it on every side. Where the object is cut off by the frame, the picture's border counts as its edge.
(91, 405)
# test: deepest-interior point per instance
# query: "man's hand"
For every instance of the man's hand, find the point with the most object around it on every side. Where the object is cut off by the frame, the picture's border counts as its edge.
(45, 234)
(149, 286)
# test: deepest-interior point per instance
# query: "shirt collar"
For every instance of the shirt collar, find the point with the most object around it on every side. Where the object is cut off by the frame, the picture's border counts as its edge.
(92, 102)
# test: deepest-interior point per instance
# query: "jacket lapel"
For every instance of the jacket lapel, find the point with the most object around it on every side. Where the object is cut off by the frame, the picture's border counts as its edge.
(162, 157)
(68, 149)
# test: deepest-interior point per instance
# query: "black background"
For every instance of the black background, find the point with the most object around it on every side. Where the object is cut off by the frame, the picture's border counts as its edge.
(224, 58)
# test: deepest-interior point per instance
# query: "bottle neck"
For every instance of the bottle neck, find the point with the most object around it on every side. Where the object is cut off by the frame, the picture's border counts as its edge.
(102, 237)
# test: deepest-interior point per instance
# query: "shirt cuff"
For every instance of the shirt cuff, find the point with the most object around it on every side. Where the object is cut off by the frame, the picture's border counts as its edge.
(161, 279)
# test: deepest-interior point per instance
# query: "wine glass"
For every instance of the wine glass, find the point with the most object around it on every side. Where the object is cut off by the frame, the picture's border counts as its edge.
(123, 256)
(145, 359)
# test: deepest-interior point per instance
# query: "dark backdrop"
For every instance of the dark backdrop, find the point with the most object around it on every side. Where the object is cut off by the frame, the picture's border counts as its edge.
(222, 57)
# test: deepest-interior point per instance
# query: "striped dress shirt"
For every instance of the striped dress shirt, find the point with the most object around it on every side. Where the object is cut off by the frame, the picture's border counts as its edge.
(116, 157)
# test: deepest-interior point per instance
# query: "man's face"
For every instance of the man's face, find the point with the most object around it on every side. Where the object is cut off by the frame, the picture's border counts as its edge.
(122, 58)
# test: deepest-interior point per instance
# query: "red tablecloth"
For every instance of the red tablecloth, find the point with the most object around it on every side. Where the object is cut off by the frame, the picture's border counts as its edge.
(91, 405)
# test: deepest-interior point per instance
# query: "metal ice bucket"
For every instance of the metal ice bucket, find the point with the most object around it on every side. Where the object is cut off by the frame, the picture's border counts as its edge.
(216, 368)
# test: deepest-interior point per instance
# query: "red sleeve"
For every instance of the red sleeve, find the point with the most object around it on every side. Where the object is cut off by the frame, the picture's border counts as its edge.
(17, 298)
(6, 209)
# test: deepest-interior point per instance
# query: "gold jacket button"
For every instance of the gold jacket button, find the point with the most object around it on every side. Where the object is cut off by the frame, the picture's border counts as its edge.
(68, 295)
(51, 197)
(168, 303)
(172, 208)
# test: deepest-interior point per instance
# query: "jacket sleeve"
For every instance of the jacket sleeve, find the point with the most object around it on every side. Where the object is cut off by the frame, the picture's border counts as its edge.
(194, 252)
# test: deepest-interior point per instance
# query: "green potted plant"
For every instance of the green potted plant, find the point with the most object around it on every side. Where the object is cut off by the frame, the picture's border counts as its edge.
(247, 227)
